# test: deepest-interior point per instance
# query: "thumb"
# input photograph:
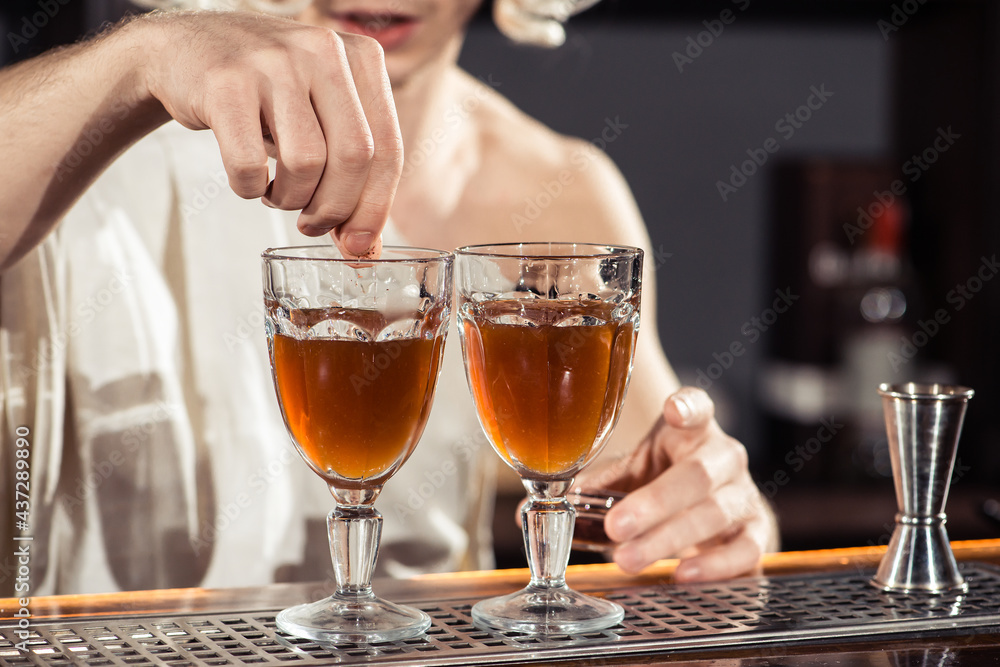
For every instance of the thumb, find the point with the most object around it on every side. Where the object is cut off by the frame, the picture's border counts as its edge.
(688, 408)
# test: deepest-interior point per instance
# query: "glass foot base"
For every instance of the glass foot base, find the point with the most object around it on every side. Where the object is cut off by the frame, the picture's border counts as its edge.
(360, 620)
(547, 611)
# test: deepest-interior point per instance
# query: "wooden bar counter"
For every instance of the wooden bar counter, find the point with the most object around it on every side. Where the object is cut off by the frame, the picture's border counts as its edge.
(968, 646)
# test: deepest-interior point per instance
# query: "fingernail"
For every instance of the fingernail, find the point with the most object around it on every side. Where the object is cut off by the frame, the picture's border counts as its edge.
(359, 243)
(683, 407)
(624, 526)
(687, 572)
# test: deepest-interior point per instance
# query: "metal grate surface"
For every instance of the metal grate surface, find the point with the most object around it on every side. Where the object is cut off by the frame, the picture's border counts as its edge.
(750, 611)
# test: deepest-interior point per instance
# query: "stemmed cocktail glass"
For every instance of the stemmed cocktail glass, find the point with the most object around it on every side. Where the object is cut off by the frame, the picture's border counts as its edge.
(548, 333)
(355, 349)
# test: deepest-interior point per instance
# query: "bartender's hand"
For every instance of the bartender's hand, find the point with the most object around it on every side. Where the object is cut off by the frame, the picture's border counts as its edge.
(690, 496)
(322, 98)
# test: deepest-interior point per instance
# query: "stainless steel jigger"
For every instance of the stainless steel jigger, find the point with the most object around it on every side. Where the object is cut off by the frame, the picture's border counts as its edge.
(923, 422)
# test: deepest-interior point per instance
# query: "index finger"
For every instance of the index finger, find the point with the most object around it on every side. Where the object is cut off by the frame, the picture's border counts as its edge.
(680, 487)
(359, 232)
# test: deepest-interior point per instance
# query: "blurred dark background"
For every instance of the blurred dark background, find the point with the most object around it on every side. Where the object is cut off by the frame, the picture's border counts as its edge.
(818, 180)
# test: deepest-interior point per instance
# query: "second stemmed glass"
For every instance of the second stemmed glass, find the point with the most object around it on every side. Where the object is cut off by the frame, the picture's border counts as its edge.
(548, 334)
(355, 350)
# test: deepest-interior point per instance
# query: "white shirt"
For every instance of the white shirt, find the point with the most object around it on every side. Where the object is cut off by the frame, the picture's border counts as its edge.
(132, 346)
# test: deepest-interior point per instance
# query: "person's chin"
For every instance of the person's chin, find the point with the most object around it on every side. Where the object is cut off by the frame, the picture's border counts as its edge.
(400, 68)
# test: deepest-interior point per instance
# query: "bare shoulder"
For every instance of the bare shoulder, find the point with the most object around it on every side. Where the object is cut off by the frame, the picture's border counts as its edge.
(553, 186)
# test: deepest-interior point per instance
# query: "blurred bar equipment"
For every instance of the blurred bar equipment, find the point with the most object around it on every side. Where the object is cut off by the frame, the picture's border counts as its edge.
(923, 422)
(840, 243)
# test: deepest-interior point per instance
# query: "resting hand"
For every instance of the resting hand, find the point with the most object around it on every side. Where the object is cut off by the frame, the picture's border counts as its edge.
(690, 496)
(322, 98)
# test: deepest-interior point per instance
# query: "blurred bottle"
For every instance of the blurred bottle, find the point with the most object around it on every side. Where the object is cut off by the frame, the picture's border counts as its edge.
(874, 304)
(839, 242)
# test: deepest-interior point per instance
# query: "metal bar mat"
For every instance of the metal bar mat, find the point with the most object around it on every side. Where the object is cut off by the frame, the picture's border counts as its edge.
(670, 617)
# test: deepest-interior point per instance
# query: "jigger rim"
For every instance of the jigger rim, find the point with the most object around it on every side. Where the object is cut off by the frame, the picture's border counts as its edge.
(925, 391)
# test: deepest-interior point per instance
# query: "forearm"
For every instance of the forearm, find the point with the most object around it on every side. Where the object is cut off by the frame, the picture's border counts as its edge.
(66, 116)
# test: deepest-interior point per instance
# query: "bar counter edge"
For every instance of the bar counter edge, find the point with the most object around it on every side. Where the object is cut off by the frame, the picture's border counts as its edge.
(444, 586)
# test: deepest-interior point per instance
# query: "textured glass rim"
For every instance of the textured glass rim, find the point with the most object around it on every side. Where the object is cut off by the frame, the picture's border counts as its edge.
(496, 250)
(920, 390)
(429, 255)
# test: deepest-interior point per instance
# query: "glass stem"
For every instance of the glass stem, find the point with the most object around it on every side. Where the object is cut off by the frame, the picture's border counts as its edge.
(355, 532)
(547, 521)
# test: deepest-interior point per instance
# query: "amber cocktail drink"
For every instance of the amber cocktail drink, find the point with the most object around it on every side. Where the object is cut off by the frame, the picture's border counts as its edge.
(324, 385)
(560, 384)
(548, 334)
(355, 349)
